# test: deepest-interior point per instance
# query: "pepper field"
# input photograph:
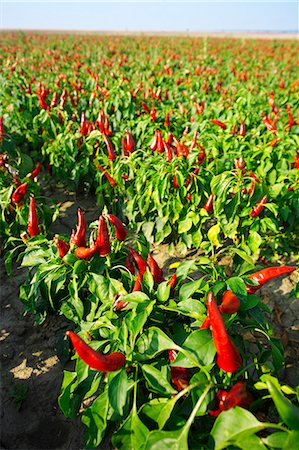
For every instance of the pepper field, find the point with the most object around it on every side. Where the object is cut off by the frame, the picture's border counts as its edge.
(149, 210)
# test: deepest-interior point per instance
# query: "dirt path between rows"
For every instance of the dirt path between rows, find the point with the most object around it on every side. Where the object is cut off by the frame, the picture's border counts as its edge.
(32, 373)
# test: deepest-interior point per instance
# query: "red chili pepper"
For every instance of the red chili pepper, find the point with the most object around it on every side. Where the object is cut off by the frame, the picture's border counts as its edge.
(78, 236)
(32, 228)
(54, 100)
(2, 132)
(230, 303)
(94, 359)
(258, 207)
(19, 194)
(155, 141)
(274, 142)
(270, 125)
(85, 252)
(155, 270)
(168, 151)
(110, 148)
(242, 128)
(175, 182)
(124, 146)
(83, 125)
(153, 114)
(268, 274)
(130, 144)
(141, 263)
(228, 356)
(234, 129)
(240, 164)
(35, 171)
(172, 281)
(109, 177)
(237, 396)
(218, 123)
(63, 247)
(137, 285)
(252, 187)
(206, 323)
(291, 120)
(179, 375)
(254, 177)
(167, 122)
(194, 140)
(209, 204)
(160, 142)
(120, 231)
(103, 240)
(129, 263)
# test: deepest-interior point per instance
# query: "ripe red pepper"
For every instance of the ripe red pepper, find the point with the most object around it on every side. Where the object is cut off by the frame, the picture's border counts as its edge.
(141, 263)
(242, 128)
(129, 263)
(83, 125)
(175, 182)
(103, 240)
(2, 132)
(109, 177)
(230, 303)
(120, 231)
(155, 270)
(154, 143)
(124, 146)
(130, 144)
(206, 324)
(218, 123)
(35, 171)
(179, 375)
(254, 177)
(63, 247)
(258, 207)
(274, 142)
(172, 281)
(168, 151)
(19, 194)
(228, 356)
(78, 236)
(137, 285)
(110, 148)
(252, 187)
(268, 274)
(32, 228)
(94, 359)
(270, 125)
(237, 396)
(85, 252)
(209, 204)
(167, 122)
(291, 120)
(234, 129)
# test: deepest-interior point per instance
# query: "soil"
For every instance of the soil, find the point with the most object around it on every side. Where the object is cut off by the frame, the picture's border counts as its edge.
(32, 373)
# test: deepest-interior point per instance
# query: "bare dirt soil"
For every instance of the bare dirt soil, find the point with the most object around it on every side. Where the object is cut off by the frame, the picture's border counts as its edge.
(32, 373)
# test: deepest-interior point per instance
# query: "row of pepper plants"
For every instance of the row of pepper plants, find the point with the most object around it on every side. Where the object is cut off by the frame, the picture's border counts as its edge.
(172, 137)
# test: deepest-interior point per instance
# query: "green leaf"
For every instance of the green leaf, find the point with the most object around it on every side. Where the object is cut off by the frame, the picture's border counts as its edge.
(165, 440)
(163, 291)
(201, 378)
(184, 268)
(288, 412)
(199, 350)
(118, 391)
(95, 420)
(292, 441)
(188, 289)
(277, 439)
(185, 225)
(156, 380)
(243, 255)
(34, 258)
(237, 285)
(131, 435)
(233, 426)
(75, 300)
(213, 235)
(68, 402)
(152, 342)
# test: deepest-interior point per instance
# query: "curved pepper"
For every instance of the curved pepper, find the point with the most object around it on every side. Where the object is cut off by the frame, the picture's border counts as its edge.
(63, 247)
(120, 231)
(85, 252)
(78, 236)
(112, 182)
(103, 240)
(237, 396)
(94, 359)
(19, 194)
(155, 270)
(141, 263)
(209, 204)
(228, 356)
(179, 375)
(218, 123)
(258, 207)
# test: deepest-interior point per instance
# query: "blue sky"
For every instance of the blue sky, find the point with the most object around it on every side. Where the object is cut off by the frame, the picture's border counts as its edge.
(150, 16)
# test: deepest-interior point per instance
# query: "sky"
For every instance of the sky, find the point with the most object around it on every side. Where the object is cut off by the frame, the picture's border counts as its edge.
(150, 15)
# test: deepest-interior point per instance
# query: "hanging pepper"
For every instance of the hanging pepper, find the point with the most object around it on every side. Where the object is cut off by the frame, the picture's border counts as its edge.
(19, 194)
(120, 231)
(155, 270)
(254, 177)
(265, 275)
(109, 177)
(94, 359)
(175, 182)
(291, 120)
(154, 143)
(209, 204)
(85, 252)
(231, 303)
(218, 123)
(179, 375)
(172, 281)
(228, 356)
(168, 151)
(103, 240)
(129, 263)
(141, 263)
(62, 246)
(137, 285)
(78, 236)
(32, 228)
(206, 323)
(258, 207)
(236, 396)
(130, 144)
(110, 148)
(242, 128)
(35, 171)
